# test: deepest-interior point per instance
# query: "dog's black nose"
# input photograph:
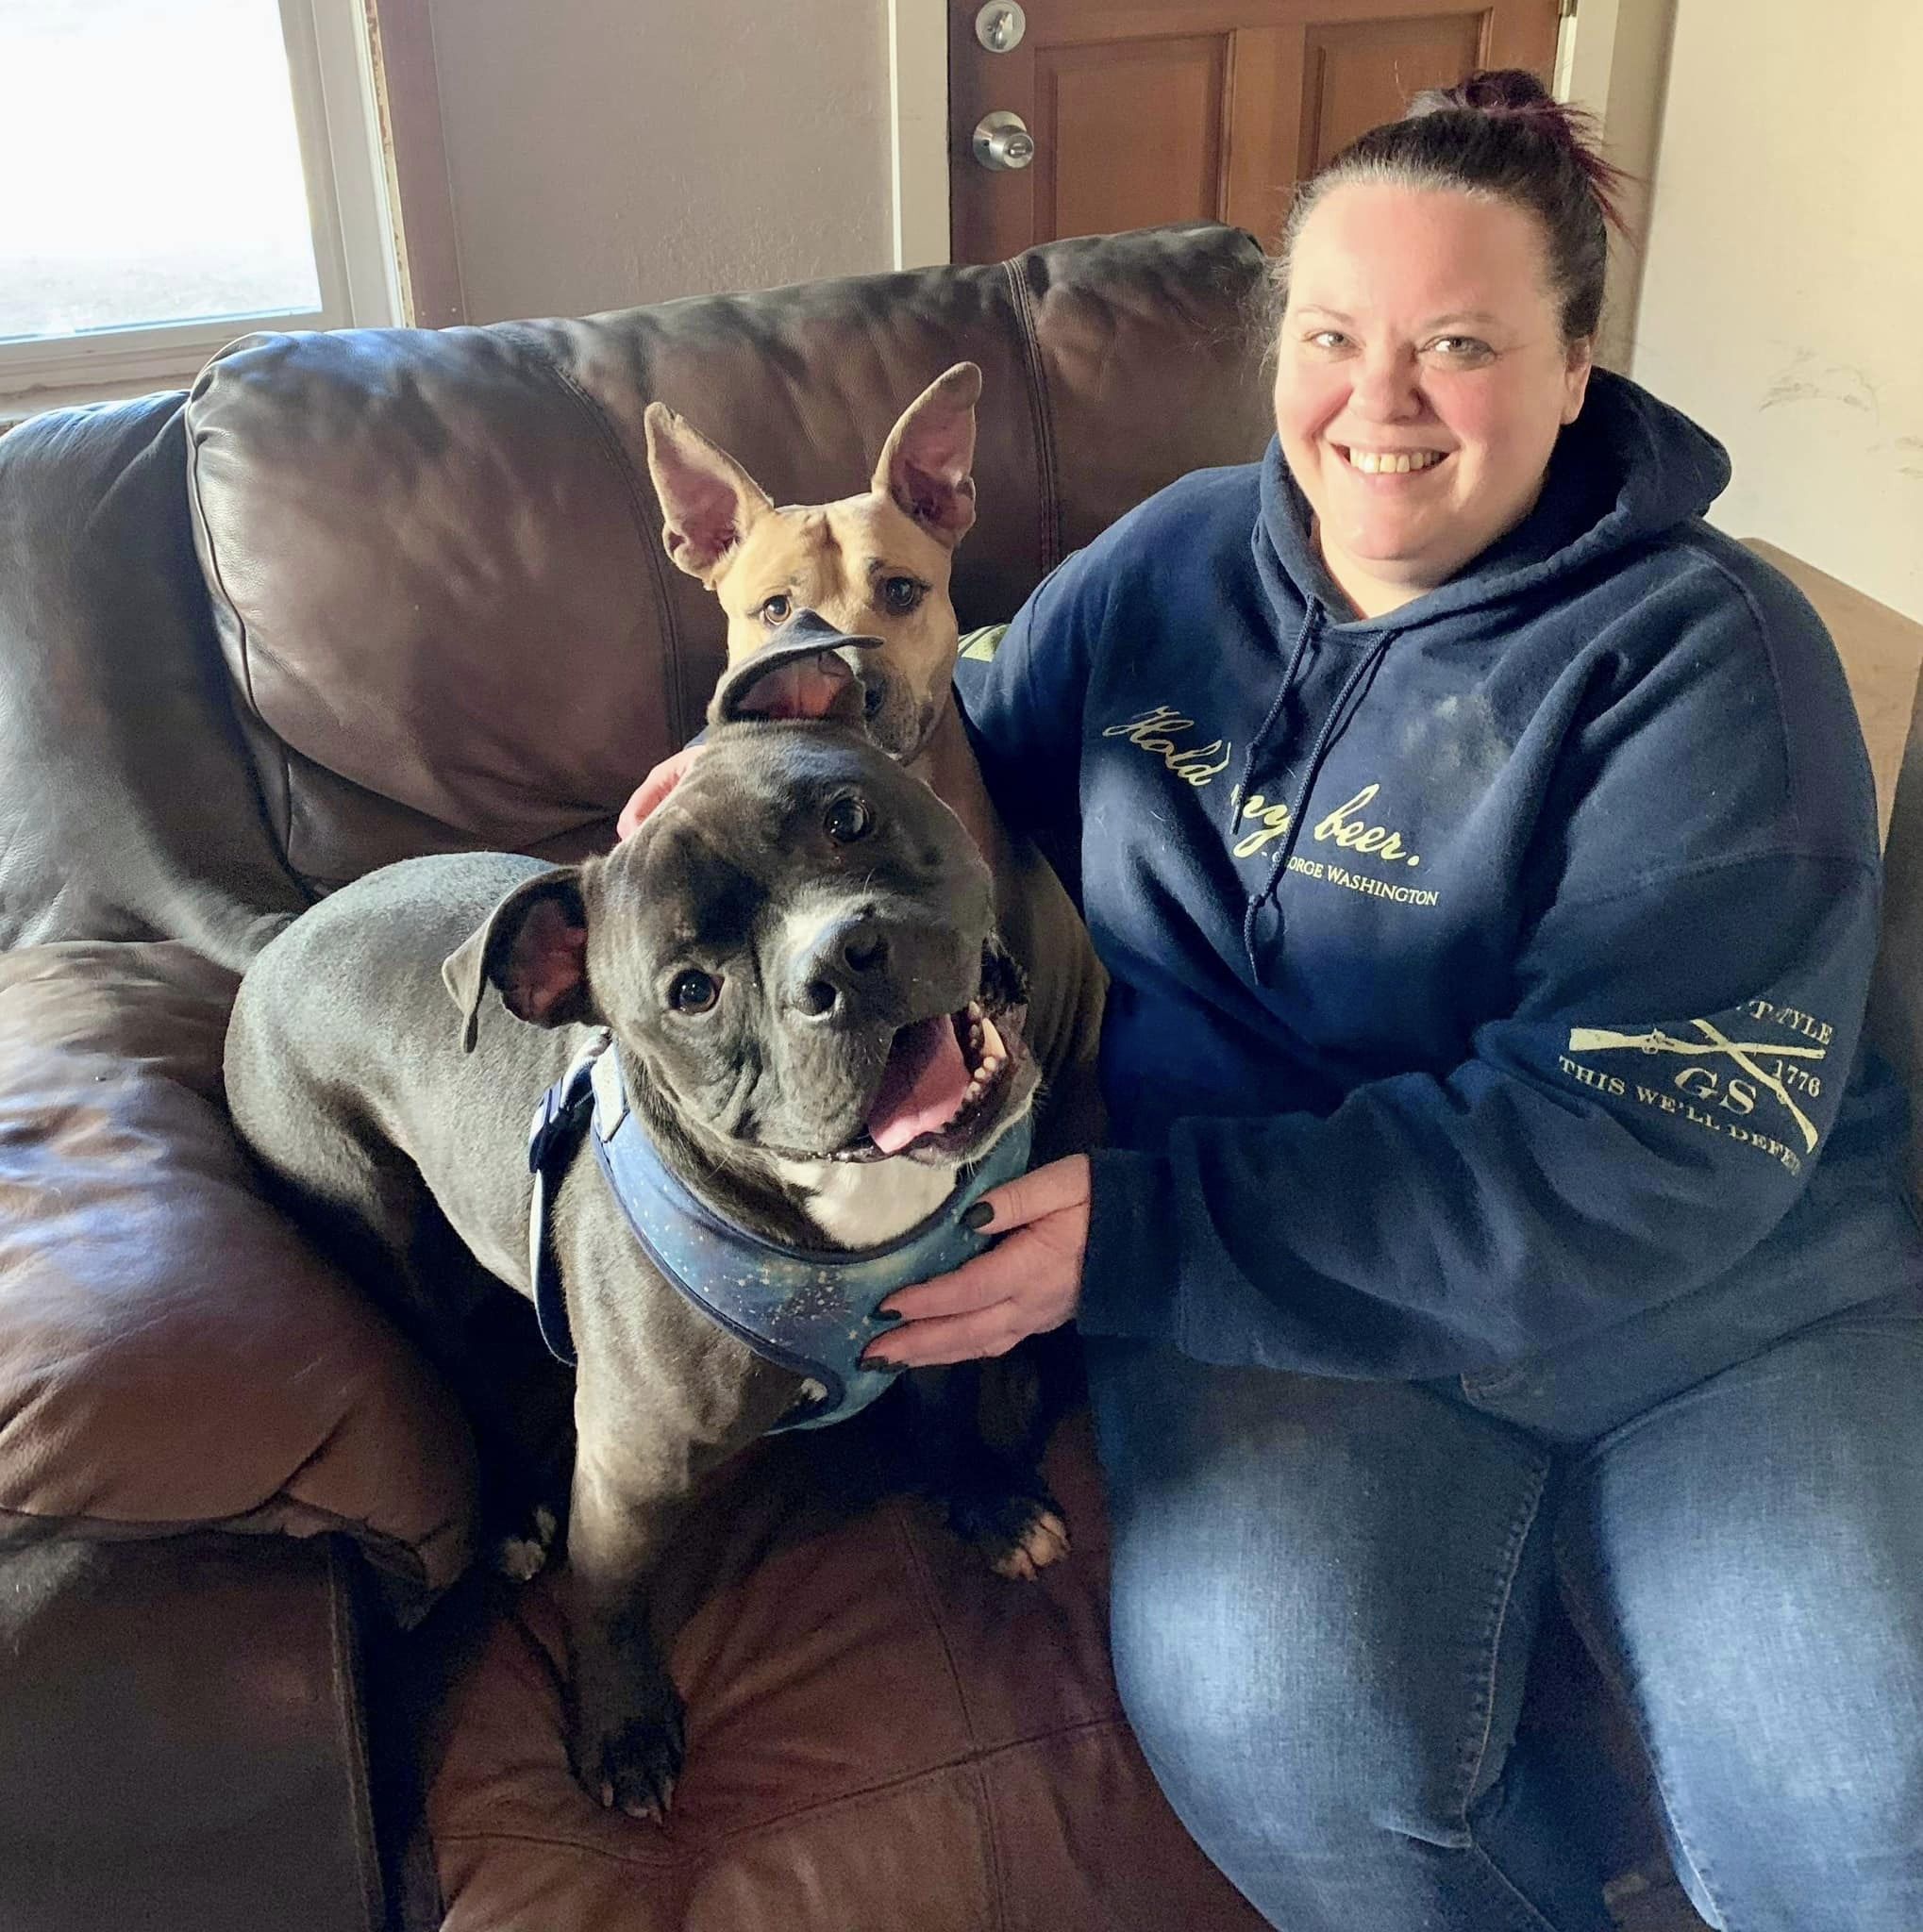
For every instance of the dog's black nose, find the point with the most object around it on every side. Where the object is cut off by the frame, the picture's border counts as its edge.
(845, 959)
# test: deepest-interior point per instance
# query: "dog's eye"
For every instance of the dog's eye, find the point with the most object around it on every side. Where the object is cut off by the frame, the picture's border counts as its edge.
(849, 819)
(694, 991)
(899, 595)
(776, 611)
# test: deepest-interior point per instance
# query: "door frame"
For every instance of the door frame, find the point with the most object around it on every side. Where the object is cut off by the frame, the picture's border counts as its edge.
(918, 130)
(1611, 55)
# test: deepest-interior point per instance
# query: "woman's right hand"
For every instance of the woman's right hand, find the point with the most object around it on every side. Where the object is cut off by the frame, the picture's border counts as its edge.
(655, 788)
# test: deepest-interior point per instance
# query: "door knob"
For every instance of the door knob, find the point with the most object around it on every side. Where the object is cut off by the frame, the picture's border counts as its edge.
(1002, 142)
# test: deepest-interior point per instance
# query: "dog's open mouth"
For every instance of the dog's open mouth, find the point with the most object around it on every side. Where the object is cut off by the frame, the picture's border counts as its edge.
(946, 1077)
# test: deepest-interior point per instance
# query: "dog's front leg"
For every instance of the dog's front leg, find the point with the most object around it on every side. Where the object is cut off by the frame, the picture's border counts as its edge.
(624, 1713)
(655, 1427)
(977, 1431)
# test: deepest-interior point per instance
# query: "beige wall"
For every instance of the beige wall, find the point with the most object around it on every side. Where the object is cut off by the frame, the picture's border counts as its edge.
(609, 152)
(1783, 286)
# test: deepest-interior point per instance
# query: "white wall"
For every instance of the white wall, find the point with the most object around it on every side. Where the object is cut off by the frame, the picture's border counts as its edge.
(603, 153)
(1783, 286)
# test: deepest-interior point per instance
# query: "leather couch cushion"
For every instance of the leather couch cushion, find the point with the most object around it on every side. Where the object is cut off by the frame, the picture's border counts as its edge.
(171, 1354)
(881, 1735)
(435, 559)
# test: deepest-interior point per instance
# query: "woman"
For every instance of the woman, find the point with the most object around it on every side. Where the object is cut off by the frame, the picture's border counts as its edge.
(1483, 853)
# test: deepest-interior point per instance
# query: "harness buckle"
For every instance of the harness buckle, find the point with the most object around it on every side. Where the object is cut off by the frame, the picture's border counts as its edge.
(557, 1114)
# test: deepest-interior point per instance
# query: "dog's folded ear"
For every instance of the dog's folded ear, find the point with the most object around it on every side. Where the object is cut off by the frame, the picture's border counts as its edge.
(927, 462)
(708, 500)
(534, 947)
(807, 669)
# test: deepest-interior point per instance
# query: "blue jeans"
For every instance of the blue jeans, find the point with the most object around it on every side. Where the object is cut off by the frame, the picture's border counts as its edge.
(1326, 1595)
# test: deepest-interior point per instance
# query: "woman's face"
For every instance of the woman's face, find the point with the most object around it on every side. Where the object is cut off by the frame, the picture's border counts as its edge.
(1421, 381)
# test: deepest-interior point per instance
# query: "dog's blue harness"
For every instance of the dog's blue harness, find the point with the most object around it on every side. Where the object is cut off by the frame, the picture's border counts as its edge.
(810, 1311)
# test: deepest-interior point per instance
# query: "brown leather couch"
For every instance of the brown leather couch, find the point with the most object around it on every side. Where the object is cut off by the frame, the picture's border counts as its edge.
(358, 597)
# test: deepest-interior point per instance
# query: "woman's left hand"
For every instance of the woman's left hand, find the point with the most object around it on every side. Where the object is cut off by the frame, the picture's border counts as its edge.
(1028, 1282)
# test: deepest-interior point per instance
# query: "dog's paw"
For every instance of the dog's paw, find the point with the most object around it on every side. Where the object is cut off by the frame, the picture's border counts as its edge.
(1019, 1536)
(523, 1556)
(634, 1766)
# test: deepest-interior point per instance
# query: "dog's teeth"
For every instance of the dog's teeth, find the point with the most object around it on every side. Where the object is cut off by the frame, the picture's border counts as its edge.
(992, 1065)
(992, 1040)
(971, 1092)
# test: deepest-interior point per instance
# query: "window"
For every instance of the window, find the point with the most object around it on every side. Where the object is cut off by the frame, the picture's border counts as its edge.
(176, 173)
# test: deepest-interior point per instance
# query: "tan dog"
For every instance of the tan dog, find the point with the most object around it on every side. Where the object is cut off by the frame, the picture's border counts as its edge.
(878, 565)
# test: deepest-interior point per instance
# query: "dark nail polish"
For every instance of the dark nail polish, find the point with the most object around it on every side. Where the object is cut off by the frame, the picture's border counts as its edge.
(979, 1215)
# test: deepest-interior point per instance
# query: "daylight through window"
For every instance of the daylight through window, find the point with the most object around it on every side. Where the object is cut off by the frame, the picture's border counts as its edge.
(154, 165)
(172, 171)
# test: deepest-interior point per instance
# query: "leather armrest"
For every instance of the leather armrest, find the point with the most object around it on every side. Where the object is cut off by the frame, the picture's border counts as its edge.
(182, 1745)
(171, 1354)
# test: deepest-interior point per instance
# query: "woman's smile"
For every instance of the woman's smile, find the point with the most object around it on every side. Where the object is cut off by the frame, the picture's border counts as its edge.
(1388, 463)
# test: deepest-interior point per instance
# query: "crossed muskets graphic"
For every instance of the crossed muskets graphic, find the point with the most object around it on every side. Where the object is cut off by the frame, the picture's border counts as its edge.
(1591, 1039)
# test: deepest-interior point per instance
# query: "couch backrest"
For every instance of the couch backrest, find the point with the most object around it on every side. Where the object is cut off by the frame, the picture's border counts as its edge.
(435, 559)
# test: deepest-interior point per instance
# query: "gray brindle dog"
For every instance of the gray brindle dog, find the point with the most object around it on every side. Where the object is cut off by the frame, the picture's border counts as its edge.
(803, 1011)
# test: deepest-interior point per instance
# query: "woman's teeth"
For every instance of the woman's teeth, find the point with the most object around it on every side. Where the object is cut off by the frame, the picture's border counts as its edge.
(1382, 462)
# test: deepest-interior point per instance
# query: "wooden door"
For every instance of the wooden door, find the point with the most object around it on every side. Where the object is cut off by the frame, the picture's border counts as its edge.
(1144, 111)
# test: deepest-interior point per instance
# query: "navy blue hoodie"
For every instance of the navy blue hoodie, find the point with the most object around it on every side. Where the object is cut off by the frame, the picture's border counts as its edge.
(1487, 977)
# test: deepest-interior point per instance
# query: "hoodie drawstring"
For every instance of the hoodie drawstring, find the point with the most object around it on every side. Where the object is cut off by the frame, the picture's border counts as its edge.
(1312, 615)
(1324, 740)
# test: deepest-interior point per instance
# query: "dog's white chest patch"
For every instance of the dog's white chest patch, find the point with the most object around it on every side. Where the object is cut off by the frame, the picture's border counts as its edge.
(863, 1204)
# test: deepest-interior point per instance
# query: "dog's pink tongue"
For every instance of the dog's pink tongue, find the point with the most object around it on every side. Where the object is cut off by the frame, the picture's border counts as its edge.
(806, 688)
(922, 1086)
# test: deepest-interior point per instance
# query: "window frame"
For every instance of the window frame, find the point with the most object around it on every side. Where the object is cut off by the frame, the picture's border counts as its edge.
(337, 115)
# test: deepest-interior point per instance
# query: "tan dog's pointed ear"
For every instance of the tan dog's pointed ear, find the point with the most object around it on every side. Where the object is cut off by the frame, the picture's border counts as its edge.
(925, 463)
(708, 500)
(534, 947)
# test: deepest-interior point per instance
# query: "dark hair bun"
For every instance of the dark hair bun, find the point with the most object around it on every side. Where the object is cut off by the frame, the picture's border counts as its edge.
(1515, 96)
(1497, 91)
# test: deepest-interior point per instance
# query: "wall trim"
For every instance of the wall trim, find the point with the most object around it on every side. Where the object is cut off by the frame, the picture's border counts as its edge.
(918, 130)
(1614, 60)
(406, 95)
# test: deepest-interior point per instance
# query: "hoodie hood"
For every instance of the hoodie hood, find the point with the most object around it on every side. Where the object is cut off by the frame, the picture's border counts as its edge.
(1628, 469)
